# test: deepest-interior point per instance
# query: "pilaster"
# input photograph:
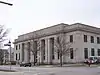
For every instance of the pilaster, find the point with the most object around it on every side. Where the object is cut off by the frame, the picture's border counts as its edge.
(49, 52)
(46, 50)
(26, 53)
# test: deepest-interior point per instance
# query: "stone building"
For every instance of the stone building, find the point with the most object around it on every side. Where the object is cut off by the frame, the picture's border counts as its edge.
(86, 40)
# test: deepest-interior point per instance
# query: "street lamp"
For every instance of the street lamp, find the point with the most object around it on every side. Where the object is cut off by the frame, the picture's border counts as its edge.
(9, 44)
(6, 3)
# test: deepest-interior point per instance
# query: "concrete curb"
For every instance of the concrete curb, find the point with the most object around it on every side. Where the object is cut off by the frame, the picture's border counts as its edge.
(11, 73)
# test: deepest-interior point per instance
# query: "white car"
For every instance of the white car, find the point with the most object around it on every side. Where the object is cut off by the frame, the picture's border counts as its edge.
(94, 59)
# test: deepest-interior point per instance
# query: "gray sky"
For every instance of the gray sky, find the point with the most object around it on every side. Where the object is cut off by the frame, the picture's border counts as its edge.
(29, 15)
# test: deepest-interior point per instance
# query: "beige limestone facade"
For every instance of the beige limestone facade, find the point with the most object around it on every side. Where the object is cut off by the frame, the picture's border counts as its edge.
(86, 42)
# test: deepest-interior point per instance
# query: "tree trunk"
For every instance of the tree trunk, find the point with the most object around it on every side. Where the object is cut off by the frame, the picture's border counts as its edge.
(61, 60)
(34, 59)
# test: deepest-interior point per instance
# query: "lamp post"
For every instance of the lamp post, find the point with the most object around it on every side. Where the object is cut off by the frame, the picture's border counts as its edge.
(9, 44)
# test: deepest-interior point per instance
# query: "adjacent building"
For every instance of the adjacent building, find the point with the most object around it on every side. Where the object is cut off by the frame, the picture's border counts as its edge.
(85, 38)
(4, 56)
(11, 56)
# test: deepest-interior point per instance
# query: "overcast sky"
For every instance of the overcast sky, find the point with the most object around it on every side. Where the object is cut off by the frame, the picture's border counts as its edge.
(30, 15)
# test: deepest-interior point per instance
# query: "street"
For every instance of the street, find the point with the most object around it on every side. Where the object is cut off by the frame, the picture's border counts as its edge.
(51, 70)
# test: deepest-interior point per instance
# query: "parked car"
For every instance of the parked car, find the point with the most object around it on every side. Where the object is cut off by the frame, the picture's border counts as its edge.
(25, 64)
(93, 59)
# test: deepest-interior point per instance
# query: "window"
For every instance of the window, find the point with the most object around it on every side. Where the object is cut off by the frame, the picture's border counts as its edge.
(85, 38)
(19, 46)
(71, 53)
(92, 39)
(16, 47)
(16, 56)
(98, 40)
(92, 52)
(98, 52)
(19, 56)
(85, 53)
(71, 38)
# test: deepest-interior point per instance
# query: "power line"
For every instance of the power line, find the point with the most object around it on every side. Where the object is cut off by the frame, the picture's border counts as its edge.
(6, 3)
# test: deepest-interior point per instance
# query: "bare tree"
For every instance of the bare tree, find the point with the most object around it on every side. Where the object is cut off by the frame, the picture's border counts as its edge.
(3, 33)
(1, 56)
(35, 48)
(62, 47)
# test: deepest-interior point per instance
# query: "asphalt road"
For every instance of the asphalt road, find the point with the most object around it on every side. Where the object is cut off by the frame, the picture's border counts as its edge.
(52, 70)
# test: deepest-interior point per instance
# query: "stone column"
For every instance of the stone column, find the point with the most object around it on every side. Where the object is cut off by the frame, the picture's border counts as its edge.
(55, 52)
(26, 53)
(49, 51)
(31, 53)
(41, 52)
(21, 52)
(46, 50)
(38, 52)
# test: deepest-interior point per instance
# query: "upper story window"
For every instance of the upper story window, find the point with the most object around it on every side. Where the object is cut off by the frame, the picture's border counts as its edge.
(85, 38)
(98, 40)
(71, 38)
(16, 47)
(92, 39)
(19, 46)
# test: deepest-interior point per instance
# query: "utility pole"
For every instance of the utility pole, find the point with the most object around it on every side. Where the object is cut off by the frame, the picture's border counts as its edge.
(9, 44)
(6, 3)
(10, 53)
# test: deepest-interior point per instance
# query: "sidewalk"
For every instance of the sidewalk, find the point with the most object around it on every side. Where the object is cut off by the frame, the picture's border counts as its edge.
(66, 65)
